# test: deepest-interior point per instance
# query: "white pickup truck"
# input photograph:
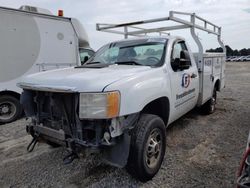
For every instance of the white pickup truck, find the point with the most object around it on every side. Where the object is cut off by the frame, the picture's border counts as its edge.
(120, 102)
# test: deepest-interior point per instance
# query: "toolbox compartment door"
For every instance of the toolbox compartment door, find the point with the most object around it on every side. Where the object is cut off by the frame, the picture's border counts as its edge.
(207, 79)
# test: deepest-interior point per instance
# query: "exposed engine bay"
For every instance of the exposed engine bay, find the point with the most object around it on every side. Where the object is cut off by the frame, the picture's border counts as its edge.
(55, 118)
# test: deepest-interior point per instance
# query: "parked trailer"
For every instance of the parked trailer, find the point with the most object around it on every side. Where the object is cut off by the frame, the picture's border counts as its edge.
(34, 40)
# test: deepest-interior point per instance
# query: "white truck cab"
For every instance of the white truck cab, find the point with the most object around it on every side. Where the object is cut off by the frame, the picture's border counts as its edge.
(122, 99)
(33, 40)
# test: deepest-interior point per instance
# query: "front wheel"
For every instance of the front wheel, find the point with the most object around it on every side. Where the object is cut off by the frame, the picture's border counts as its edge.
(148, 145)
(209, 106)
(10, 109)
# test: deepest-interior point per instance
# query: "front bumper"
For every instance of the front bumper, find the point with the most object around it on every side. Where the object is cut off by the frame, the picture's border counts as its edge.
(114, 151)
(61, 138)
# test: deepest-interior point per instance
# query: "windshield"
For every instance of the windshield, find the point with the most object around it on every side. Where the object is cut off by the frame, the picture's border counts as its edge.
(146, 52)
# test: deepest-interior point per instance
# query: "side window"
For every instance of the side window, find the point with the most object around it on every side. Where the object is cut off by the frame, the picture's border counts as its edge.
(176, 51)
(85, 54)
(178, 47)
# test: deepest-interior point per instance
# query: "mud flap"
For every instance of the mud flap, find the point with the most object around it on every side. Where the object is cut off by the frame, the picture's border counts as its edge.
(117, 155)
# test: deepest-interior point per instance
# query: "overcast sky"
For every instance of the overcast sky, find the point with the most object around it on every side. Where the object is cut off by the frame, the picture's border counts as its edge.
(232, 15)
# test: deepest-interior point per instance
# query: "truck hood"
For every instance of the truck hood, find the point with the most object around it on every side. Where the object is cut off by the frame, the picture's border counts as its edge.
(80, 79)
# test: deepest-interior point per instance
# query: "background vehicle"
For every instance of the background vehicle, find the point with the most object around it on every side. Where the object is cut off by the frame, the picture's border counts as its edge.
(33, 40)
(246, 58)
(240, 58)
(228, 58)
(121, 101)
(234, 58)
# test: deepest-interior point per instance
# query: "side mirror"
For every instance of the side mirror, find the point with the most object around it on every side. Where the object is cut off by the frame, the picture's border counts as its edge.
(176, 64)
(184, 60)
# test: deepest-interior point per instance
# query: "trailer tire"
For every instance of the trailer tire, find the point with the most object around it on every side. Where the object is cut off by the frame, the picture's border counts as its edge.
(209, 106)
(147, 147)
(10, 109)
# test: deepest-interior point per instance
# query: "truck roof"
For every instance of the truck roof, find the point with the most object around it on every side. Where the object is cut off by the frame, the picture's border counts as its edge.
(168, 37)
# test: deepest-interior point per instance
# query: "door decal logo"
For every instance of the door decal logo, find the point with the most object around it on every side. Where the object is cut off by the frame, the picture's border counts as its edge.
(186, 78)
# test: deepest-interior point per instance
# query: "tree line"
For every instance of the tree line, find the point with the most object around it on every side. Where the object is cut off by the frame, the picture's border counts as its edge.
(231, 52)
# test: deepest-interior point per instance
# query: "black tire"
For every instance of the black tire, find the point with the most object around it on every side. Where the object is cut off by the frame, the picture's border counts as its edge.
(10, 109)
(210, 106)
(139, 162)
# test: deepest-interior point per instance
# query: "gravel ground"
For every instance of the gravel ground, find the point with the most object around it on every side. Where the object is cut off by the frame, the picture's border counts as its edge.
(202, 151)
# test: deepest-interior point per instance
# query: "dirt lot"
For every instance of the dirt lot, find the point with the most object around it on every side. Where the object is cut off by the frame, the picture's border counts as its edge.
(202, 151)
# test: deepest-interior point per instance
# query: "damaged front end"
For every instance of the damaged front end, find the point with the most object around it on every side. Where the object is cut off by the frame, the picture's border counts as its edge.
(58, 117)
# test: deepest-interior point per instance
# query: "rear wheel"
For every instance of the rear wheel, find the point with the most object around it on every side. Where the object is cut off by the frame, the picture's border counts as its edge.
(10, 109)
(148, 145)
(209, 106)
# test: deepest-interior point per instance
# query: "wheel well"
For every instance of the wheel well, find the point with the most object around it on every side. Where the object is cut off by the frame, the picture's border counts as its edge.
(217, 85)
(11, 93)
(158, 107)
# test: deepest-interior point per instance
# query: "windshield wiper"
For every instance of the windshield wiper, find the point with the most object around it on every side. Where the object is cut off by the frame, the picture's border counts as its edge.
(93, 62)
(128, 63)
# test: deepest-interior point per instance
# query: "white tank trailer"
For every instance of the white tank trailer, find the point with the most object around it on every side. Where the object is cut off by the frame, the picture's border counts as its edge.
(34, 40)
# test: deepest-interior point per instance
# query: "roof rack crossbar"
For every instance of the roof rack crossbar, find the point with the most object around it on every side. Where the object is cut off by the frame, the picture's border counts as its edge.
(159, 29)
(100, 27)
(121, 32)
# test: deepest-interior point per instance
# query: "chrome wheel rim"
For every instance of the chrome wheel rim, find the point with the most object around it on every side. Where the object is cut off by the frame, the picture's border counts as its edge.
(153, 148)
(7, 110)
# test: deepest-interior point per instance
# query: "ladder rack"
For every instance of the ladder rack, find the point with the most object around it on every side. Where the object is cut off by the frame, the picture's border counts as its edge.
(205, 25)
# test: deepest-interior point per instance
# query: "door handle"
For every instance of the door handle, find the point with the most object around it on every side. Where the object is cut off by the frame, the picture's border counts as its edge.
(193, 75)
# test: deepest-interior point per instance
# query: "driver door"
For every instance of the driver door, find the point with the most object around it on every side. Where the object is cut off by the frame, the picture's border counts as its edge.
(184, 82)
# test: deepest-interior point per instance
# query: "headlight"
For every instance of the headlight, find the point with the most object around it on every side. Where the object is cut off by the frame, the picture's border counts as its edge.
(99, 105)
